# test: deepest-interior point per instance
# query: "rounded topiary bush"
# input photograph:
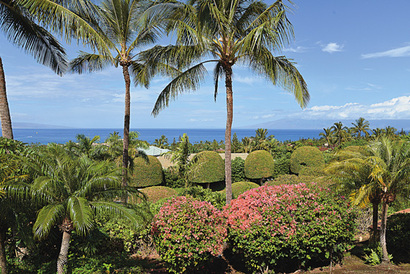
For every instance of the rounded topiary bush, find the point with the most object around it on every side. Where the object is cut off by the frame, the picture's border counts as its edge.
(306, 157)
(187, 233)
(146, 172)
(240, 187)
(299, 225)
(208, 167)
(259, 165)
(156, 193)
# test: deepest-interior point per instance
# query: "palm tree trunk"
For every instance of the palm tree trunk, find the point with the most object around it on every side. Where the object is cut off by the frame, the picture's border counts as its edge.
(127, 114)
(3, 261)
(375, 220)
(6, 127)
(385, 254)
(63, 256)
(228, 131)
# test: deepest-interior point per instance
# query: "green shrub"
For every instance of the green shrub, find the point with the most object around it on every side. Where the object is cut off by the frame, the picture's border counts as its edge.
(146, 172)
(156, 193)
(207, 167)
(238, 169)
(398, 237)
(187, 233)
(289, 225)
(306, 157)
(171, 178)
(282, 166)
(291, 179)
(259, 165)
(240, 187)
(216, 198)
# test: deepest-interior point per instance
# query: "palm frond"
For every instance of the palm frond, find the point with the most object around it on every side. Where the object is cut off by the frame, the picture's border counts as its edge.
(187, 80)
(90, 62)
(69, 19)
(115, 210)
(21, 30)
(81, 214)
(279, 70)
(48, 217)
(219, 72)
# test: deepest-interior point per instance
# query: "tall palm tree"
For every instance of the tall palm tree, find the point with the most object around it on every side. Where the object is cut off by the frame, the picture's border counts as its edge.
(118, 25)
(21, 29)
(360, 126)
(390, 172)
(232, 32)
(340, 132)
(74, 191)
(377, 133)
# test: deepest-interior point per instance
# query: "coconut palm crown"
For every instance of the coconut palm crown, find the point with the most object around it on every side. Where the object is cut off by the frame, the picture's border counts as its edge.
(224, 32)
(73, 190)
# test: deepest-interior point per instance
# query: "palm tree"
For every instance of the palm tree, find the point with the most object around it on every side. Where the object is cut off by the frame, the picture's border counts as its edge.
(377, 133)
(161, 142)
(74, 190)
(118, 25)
(390, 131)
(353, 173)
(360, 126)
(85, 144)
(20, 29)
(328, 135)
(390, 172)
(340, 132)
(232, 31)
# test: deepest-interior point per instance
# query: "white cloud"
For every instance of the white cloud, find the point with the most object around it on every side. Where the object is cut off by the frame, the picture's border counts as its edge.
(298, 49)
(332, 47)
(396, 108)
(247, 80)
(397, 52)
(366, 87)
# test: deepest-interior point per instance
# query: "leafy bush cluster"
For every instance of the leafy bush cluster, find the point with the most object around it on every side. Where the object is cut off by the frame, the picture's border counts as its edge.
(299, 225)
(146, 172)
(238, 169)
(306, 157)
(216, 198)
(259, 165)
(208, 167)
(188, 233)
(240, 187)
(155, 193)
(281, 166)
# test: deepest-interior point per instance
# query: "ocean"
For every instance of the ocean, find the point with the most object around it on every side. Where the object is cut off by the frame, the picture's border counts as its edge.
(60, 136)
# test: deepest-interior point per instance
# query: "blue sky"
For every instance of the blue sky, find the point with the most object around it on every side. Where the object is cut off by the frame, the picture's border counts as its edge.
(354, 56)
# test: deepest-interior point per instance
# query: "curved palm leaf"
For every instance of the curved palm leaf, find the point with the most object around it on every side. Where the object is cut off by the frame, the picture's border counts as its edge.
(81, 214)
(47, 218)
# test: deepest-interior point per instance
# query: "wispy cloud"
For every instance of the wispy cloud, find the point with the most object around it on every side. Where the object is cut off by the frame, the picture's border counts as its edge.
(396, 108)
(366, 87)
(397, 52)
(332, 47)
(298, 49)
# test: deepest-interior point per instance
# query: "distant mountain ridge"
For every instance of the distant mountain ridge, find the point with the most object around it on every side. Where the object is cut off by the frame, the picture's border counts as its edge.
(319, 124)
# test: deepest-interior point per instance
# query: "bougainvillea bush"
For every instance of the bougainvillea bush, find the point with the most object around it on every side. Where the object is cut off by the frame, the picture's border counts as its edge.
(187, 233)
(285, 226)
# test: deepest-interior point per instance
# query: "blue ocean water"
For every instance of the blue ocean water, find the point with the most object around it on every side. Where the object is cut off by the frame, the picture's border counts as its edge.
(60, 136)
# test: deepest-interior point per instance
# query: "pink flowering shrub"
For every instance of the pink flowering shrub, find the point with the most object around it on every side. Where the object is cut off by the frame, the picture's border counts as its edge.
(288, 226)
(188, 233)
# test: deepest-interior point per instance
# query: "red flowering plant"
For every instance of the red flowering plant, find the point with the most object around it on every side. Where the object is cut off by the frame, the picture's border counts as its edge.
(187, 233)
(289, 226)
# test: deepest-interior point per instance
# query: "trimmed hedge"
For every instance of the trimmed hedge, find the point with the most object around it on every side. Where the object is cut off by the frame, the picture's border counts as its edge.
(208, 167)
(156, 193)
(240, 187)
(306, 157)
(146, 173)
(291, 179)
(259, 165)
